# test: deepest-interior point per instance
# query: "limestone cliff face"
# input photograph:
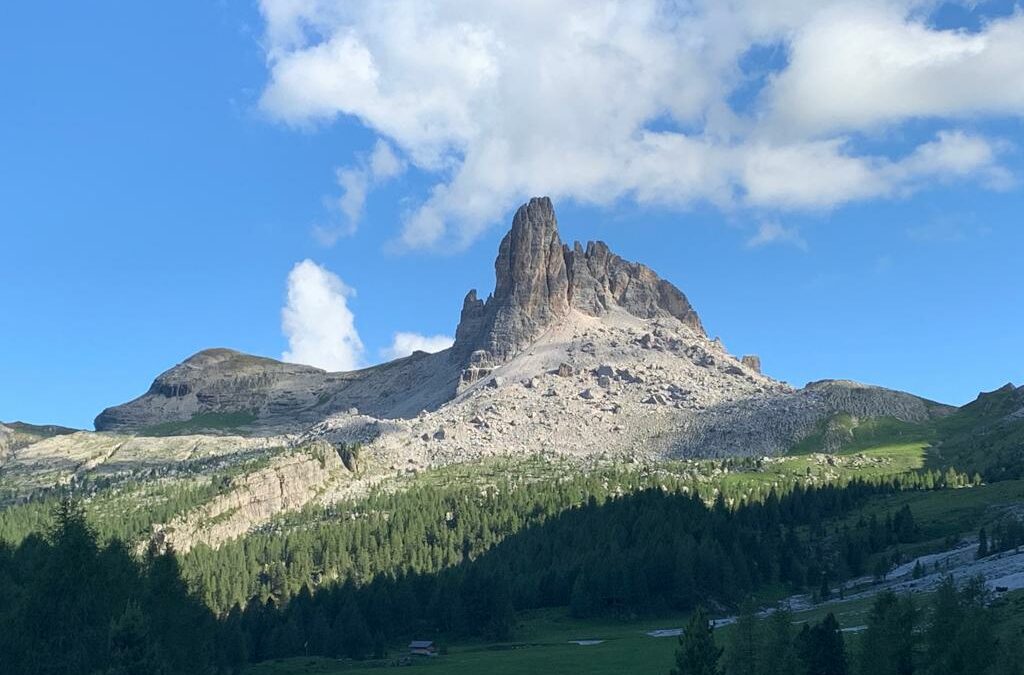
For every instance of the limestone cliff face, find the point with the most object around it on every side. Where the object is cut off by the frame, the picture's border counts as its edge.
(539, 280)
(16, 435)
(6, 443)
(600, 280)
(290, 482)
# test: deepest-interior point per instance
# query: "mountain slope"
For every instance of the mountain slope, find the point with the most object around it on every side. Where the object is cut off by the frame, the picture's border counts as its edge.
(539, 281)
(986, 435)
(577, 351)
(224, 391)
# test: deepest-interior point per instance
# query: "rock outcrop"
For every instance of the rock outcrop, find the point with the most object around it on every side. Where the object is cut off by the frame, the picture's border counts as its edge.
(539, 281)
(16, 435)
(6, 443)
(600, 281)
(68, 459)
(531, 289)
(291, 481)
(778, 420)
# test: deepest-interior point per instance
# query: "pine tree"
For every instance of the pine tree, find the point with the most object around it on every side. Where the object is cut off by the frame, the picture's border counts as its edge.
(354, 637)
(741, 657)
(887, 646)
(776, 644)
(580, 601)
(132, 649)
(697, 653)
(821, 649)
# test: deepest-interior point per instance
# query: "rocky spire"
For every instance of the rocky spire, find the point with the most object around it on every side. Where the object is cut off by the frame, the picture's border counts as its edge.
(531, 288)
(538, 281)
(600, 280)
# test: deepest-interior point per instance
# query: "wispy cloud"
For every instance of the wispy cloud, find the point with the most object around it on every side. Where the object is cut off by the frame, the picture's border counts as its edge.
(948, 229)
(770, 233)
(355, 182)
(405, 344)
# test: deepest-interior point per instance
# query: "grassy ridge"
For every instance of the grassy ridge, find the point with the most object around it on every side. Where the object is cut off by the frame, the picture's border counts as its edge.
(223, 422)
(985, 436)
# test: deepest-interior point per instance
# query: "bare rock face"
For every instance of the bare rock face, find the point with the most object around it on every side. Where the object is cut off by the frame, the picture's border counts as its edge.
(6, 442)
(531, 288)
(600, 280)
(217, 381)
(290, 482)
(539, 280)
(17, 435)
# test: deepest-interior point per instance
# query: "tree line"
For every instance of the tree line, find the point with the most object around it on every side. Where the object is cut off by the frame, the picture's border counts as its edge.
(645, 552)
(954, 632)
(428, 528)
(435, 560)
(71, 606)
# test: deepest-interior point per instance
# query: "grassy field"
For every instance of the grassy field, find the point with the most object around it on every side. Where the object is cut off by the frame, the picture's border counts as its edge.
(860, 434)
(544, 645)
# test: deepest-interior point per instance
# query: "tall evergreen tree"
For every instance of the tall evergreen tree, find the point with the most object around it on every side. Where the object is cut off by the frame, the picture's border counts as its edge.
(887, 646)
(697, 654)
(132, 649)
(741, 657)
(776, 648)
(821, 649)
(943, 626)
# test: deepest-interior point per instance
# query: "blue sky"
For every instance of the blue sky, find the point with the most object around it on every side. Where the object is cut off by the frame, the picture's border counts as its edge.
(164, 168)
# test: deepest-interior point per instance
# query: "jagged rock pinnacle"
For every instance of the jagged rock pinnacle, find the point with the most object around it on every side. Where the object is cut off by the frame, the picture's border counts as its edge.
(539, 280)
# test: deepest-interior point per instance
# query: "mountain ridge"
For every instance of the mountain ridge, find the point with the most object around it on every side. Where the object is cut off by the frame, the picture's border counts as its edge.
(538, 281)
(575, 350)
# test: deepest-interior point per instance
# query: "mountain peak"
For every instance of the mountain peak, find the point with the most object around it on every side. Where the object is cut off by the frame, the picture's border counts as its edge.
(539, 280)
(540, 283)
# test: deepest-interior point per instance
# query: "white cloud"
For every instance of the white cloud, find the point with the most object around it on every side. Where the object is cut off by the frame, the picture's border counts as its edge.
(407, 343)
(599, 100)
(317, 321)
(774, 233)
(857, 66)
(821, 174)
(815, 174)
(355, 182)
(956, 154)
(384, 163)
